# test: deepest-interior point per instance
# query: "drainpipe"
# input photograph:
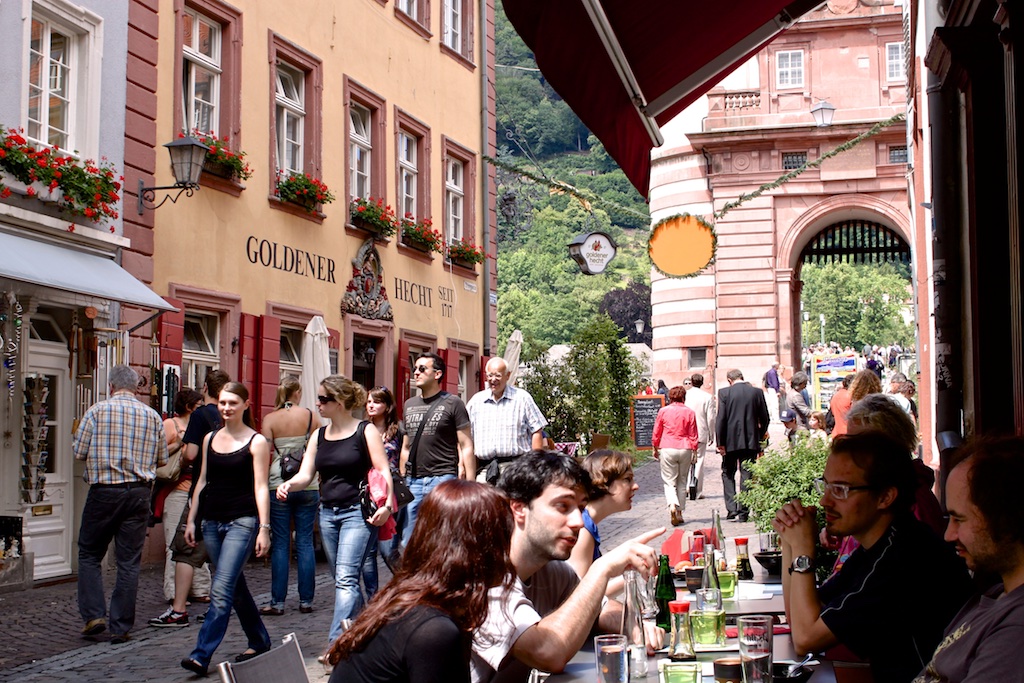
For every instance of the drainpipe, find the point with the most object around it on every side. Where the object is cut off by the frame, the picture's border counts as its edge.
(946, 178)
(485, 175)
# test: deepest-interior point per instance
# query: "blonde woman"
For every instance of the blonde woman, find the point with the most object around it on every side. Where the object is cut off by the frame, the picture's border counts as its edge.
(342, 453)
(287, 429)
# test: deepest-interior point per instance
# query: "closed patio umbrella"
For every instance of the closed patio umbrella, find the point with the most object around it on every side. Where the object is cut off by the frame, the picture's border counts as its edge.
(512, 348)
(316, 360)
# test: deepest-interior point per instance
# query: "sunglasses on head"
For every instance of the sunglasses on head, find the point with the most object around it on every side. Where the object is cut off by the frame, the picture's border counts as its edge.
(324, 399)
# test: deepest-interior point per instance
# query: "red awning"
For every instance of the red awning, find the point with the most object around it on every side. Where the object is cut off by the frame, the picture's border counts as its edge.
(627, 67)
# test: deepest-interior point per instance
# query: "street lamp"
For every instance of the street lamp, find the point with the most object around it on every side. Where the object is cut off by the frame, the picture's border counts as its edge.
(823, 113)
(639, 324)
(187, 157)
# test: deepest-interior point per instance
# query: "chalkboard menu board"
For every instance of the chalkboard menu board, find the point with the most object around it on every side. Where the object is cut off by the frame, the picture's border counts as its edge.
(642, 414)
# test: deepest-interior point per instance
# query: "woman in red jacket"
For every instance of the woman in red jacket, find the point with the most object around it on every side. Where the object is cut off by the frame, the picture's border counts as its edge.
(675, 446)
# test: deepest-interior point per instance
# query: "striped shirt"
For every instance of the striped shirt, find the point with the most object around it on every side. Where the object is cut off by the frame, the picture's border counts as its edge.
(121, 441)
(504, 428)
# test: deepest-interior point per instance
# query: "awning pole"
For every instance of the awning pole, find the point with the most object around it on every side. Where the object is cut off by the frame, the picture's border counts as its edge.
(147, 320)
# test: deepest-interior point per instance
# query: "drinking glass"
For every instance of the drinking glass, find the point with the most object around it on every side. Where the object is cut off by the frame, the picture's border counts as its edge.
(680, 672)
(645, 590)
(611, 655)
(727, 583)
(755, 639)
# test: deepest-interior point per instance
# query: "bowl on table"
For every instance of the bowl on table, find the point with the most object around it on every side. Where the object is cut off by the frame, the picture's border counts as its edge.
(771, 561)
(801, 675)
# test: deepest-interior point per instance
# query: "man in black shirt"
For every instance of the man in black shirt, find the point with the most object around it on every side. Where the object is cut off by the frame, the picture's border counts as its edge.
(188, 560)
(891, 600)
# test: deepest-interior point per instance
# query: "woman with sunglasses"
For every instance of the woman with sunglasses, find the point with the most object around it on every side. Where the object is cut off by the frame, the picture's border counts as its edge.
(342, 453)
(287, 429)
(383, 413)
(234, 501)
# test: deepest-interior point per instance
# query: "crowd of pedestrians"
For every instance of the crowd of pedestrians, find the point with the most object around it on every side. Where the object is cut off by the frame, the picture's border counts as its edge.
(494, 578)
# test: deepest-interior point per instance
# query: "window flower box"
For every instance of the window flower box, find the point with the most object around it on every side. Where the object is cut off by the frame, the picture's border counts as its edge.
(303, 190)
(421, 236)
(220, 160)
(373, 216)
(465, 253)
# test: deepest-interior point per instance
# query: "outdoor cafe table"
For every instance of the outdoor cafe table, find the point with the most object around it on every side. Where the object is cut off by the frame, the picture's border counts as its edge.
(581, 669)
(738, 606)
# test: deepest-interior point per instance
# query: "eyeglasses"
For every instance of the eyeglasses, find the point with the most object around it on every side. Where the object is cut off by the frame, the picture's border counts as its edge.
(323, 400)
(423, 368)
(837, 491)
(495, 375)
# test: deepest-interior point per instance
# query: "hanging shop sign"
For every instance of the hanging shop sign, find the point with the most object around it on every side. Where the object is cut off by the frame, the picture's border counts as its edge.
(593, 252)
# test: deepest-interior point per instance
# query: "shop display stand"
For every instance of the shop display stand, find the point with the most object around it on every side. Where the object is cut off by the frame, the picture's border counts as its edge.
(34, 455)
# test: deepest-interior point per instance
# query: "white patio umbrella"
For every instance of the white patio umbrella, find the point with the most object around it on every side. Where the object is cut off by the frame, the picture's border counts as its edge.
(316, 360)
(512, 348)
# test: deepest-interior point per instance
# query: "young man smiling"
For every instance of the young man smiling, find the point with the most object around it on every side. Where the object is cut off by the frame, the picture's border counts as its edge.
(894, 595)
(548, 614)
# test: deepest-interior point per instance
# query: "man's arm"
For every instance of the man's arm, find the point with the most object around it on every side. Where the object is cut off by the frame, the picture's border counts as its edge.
(537, 440)
(554, 640)
(797, 531)
(403, 458)
(467, 459)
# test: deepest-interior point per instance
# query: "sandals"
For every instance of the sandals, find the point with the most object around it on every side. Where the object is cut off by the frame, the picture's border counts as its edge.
(247, 655)
(195, 667)
(271, 611)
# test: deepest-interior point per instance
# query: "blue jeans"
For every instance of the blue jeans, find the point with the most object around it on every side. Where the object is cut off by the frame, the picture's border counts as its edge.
(112, 514)
(419, 487)
(347, 538)
(301, 507)
(230, 544)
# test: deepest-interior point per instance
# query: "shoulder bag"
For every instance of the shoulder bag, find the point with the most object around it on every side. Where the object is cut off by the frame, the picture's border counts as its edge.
(171, 471)
(291, 461)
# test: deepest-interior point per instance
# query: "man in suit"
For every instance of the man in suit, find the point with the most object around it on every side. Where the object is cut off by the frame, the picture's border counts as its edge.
(703, 404)
(742, 425)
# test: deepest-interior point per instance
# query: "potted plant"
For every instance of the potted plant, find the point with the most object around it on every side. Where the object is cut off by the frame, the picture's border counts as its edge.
(787, 471)
(300, 188)
(79, 188)
(220, 160)
(373, 215)
(421, 235)
(464, 252)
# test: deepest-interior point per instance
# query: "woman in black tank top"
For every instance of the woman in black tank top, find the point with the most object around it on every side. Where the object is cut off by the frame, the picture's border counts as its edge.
(342, 454)
(233, 501)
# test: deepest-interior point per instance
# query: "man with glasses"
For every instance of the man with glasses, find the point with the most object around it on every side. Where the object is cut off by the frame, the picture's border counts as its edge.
(438, 445)
(506, 423)
(891, 600)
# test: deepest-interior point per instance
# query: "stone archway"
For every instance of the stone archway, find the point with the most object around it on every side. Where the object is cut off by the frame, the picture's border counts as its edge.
(793, 240)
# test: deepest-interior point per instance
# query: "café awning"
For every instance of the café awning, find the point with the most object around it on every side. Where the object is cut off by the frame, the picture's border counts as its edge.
(72, 270)
(627, 67)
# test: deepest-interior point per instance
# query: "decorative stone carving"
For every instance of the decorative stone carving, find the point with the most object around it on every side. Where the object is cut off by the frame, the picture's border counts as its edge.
(365, 294)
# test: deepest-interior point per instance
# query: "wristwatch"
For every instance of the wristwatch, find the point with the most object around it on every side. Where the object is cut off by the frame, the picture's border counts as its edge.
(802, 564)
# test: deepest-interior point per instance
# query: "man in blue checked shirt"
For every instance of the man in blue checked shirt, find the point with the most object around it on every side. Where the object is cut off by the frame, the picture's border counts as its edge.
(506, 422)
(122, 443)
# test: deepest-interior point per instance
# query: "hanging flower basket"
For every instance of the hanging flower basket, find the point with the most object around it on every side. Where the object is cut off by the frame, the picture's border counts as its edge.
(220, 160)
(304, 190)
(465, 253)
(80, 188)
(373, 216)
(420, 235)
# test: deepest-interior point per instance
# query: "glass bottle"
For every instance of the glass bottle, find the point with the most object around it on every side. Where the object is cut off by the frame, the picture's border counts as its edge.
(744, 571)
(681, 648)
(633, 625)
(717, 531)
(664, 593)
(710, 578)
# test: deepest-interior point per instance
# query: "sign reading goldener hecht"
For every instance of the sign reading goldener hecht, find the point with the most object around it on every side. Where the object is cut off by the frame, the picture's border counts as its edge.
(282, 257)
(593, 252)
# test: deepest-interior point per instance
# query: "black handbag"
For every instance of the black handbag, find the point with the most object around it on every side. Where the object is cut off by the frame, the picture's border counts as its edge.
(402, 493)
(366, 503)
(291, 461)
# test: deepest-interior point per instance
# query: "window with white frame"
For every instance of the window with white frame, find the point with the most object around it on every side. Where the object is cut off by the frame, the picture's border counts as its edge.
(199, 348)
(408, 174)
(201, 72)
(291, 115)
(895, 65)
(454, 198)
(410, 7)
(290, 362)
(50, 84)
(463, 389)
(360, 150)
(789, 69)
(452, 23)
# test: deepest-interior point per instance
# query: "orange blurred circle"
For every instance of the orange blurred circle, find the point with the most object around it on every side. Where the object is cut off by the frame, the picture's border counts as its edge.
(682, 245)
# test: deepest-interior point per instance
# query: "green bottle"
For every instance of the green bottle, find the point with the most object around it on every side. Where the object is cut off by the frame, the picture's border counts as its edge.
(664, 593)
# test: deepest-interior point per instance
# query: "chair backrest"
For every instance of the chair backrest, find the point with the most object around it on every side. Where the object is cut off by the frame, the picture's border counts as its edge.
(283, 664)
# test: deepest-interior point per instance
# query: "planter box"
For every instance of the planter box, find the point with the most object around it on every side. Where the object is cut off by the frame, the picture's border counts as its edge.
(218, 169)
(418, 246)
(366, 226)
(462, 263)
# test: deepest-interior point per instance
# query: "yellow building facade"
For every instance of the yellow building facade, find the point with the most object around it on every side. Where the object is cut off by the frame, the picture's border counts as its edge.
(378, 100)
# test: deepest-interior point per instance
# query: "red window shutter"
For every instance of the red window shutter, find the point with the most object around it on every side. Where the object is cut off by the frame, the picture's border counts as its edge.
(451, 373)
(268, 365)
(403, 373)
(171, 334)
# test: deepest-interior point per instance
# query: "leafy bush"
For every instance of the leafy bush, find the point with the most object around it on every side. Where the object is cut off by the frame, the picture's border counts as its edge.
(782, 474)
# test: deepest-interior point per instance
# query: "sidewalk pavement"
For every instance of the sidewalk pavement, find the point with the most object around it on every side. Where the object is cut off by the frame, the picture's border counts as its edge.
(39, 628)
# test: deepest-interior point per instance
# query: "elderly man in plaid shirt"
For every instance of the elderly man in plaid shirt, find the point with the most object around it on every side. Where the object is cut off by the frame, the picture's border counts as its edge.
(506, 422)
(122, 442)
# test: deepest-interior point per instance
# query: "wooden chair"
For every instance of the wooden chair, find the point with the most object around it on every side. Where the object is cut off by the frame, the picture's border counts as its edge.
(283, 664)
